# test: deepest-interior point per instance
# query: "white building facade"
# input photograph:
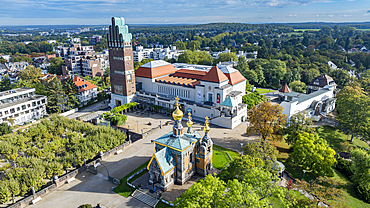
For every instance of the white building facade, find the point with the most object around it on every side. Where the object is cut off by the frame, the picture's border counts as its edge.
(21, 105)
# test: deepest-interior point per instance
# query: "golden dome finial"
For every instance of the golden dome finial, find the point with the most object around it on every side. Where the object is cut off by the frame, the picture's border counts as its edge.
(177, 114)
(206, 125)
(190, 122)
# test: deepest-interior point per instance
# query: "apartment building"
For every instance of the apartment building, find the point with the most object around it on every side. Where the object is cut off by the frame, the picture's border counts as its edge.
(156, 53)
(83, 61)
(21, 105)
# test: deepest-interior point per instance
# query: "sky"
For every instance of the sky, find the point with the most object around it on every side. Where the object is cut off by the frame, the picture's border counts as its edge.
(99, 12)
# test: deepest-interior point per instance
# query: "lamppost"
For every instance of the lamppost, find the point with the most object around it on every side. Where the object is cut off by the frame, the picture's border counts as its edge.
(304, 172)
(241, 148)
(137, 122)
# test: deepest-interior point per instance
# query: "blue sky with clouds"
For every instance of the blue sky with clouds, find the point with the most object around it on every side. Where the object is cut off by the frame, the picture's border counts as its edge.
(55, 12)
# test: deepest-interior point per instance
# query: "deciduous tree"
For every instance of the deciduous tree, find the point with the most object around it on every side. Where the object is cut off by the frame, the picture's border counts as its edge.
(266, 120)
(313, 153)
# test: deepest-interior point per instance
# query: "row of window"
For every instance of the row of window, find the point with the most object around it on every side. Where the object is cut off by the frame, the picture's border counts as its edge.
(23, 113)
(23, 107)
(17, 97)
(174, 91)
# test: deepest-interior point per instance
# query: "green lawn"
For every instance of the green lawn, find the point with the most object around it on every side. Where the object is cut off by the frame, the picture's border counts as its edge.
(350, 199)
(125, 190)
(220, 159)
(335, 138)
(263, 91)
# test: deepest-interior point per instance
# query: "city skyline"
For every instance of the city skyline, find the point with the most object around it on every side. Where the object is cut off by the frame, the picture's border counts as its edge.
(99, 12)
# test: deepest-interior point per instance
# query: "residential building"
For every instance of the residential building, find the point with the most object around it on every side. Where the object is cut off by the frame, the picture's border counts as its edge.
(215, 92)
(319, 82)
(156, 53)
(16, 66)
(179, 155)
(21, 105)
(83, 61)
(86, 90)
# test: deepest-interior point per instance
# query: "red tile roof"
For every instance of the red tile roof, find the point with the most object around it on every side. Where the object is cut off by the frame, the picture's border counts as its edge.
(215, 75)
(82, 85)
(190, 74)
(178, 81)
(235, 78)
(285, 89)
(155, 72)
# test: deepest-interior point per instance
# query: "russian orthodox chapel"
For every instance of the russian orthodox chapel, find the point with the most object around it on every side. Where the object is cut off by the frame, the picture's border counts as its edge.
(179, 155)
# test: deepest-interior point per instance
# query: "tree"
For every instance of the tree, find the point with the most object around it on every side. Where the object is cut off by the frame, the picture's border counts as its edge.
(70, 90)
(341, 77)
(180, 45)
(353, 110)
(30, 74)
(206, 192)
(194, 45)
(55, 95)
(223, 57)
(298, 86)
(5, 129)
(253, 98)
(254, 191)
(56, 66)
(5, 84)
(5, 193)
(196, 57)
(267, 120)
(361, 174)
(262, 150)
(14, 188)
(298, 123)
(313, 153)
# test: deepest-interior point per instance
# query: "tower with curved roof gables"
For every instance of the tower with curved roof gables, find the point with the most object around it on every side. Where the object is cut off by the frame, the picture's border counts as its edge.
(121, 63)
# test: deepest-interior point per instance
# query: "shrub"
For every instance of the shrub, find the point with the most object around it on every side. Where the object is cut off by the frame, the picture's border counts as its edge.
(85, 206)
(344, 166)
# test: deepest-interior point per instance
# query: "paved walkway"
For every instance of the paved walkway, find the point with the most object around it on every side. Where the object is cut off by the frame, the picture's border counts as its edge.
(88, 109)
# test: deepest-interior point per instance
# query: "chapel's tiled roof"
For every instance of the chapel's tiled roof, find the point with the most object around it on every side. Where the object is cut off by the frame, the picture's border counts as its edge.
(215, 75)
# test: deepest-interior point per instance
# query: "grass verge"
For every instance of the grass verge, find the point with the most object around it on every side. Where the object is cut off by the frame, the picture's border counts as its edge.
(263, 91)
(125, 190)
(220, 158)
(335, 138)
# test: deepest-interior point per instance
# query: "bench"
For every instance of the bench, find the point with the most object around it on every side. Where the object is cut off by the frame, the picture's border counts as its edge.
(71, 179)
(36, 200)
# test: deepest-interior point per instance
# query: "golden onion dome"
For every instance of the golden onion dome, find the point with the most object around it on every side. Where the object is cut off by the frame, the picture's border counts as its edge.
(177, 114)
(206, 125)
(190, 122)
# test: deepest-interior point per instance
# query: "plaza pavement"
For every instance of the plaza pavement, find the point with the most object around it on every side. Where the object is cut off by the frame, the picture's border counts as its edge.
(94, 189)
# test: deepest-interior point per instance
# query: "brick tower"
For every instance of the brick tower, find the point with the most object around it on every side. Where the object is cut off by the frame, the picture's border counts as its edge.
(122, 73)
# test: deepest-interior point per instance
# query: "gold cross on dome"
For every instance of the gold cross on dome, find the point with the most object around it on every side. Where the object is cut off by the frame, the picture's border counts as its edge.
(206, 120)
(177, 100)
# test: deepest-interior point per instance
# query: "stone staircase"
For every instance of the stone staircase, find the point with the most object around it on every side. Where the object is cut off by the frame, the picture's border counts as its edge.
(145, 198)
